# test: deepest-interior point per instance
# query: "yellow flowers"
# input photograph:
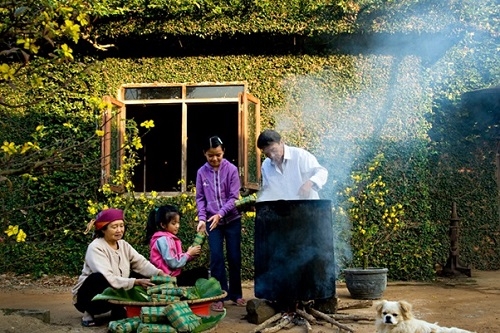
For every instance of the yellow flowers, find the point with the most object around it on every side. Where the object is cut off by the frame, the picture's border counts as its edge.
(92, 209)
(250, 214)
(136, 142)
(66, 52)
(72, 30)
(7, 72)
(356, 177)
(21, 236)
(27, 146)
(13, 230)
(9, 148)
(29, 177)
(148, 124)
(28, 44)
(373, 220)
(83, 19)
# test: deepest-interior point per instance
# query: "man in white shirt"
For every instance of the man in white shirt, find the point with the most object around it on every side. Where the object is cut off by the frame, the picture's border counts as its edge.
(288, 173)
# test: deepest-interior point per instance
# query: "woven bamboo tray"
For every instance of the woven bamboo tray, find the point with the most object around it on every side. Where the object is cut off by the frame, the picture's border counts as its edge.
(189, 301)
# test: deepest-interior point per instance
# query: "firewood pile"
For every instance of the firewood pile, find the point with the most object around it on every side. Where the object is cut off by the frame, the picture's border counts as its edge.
(305, 315)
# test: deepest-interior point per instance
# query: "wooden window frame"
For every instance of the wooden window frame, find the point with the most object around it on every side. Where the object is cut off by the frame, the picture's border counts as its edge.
(244, 101)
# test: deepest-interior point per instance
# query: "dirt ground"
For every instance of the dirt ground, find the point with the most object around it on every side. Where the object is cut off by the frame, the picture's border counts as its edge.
(469, 303)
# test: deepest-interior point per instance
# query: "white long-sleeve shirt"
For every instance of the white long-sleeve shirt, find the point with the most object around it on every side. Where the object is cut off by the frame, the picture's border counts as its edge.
(298, 166)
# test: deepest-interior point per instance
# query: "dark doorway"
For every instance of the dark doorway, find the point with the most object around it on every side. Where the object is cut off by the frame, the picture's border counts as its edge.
(206, 120)
(160, 157)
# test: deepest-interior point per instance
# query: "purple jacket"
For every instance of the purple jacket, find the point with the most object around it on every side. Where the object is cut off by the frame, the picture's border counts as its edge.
(216, 192)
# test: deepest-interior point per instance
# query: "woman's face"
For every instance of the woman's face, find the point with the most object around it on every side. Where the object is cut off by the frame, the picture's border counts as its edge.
(173, 225)
(214, 156)
(114, 231)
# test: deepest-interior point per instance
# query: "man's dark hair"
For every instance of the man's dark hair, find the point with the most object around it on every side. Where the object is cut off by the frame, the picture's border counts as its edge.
(268, 137)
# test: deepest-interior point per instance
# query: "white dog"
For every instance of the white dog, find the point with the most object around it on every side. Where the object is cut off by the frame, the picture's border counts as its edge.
(396, 317)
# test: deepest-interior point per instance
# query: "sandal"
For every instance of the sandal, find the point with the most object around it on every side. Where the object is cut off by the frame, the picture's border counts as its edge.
(240, 302)
(89, 323)
(217, 306)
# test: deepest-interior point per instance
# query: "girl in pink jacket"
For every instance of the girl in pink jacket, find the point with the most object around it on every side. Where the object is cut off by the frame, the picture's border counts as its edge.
(166, 248)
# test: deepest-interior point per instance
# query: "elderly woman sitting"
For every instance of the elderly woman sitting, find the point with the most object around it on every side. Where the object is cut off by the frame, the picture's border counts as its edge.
(109, 262)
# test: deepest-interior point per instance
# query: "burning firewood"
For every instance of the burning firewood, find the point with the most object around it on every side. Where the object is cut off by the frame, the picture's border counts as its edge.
(264, 324)
(285, 321)
(348, 317)
(357, 305)
(306, 316)
(330, 320)
(303, 314)
(308, 326)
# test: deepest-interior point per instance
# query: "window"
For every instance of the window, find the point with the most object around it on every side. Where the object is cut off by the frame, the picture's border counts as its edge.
(184, 115)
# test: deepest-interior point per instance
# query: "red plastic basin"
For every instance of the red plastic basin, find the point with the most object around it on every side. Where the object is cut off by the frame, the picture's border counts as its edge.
(199, 309)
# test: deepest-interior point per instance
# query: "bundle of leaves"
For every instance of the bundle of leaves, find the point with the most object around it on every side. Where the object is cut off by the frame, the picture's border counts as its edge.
(208, 288)
(203, 288)
(136, 294)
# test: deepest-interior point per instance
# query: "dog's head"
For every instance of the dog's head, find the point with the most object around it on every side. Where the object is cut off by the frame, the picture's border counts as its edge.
(392, 313)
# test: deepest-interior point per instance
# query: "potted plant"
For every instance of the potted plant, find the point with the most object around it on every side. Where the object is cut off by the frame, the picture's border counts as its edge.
(372, 223)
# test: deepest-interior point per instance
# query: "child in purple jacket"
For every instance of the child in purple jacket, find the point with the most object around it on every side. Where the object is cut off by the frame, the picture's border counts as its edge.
(166, 248)
(217, 189)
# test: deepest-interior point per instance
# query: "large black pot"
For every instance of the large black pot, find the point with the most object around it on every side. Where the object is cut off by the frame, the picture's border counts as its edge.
(294, 257)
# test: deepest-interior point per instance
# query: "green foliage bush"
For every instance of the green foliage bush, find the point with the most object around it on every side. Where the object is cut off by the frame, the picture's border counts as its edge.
(408, 172)
(214, 17)
(405, 105)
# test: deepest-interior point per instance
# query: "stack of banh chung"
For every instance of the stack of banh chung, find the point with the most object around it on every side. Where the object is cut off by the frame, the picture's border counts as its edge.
(176, 315)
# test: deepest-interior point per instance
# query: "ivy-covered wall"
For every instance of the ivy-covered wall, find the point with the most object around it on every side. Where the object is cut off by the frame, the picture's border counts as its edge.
(345, 98)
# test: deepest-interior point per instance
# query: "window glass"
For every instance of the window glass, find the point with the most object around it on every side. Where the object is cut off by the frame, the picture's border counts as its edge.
(214, 91)
(153, 93)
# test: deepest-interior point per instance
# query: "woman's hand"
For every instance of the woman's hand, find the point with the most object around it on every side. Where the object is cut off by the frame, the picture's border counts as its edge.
(162, 273)
(143, 283)
(214, 221)
(194, 250)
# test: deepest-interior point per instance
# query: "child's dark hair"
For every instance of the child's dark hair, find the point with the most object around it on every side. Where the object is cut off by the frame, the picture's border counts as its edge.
(212, 142)
(157, 217)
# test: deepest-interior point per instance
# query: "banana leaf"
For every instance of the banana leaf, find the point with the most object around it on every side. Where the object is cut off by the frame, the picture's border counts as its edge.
(208, 288)
(209, 322)
(136, 294)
